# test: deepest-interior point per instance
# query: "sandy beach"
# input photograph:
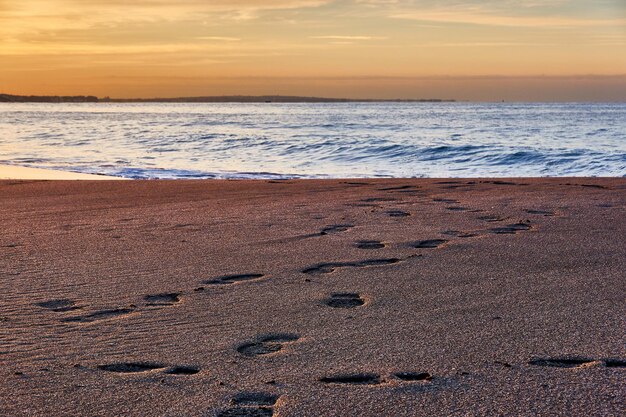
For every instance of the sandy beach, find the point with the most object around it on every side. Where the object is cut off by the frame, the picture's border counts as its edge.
(403, 297)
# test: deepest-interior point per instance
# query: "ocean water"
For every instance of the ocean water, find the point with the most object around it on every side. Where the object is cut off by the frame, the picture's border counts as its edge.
(274, 140)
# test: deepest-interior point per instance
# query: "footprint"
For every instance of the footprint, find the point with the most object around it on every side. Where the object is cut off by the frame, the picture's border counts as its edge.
(413, 376)
(601, 187)
(59, 305)
(377, 262)
(265, 345)
(247, 412)
(99, 315)
(182, 370)
(497, 182)
(412, 192)
(491, 218)
(183, 225)
(328, 230)
(429, 244)
(163, 299)
(254, 399)
(231, 279)
(541, 212)
(327, 268)
(511, 228)
(397, 213)
(446, 200)
(615, 363)
(355, 183)
(400, 187)
(563, 362)
(370, 244)
(137, 367)
(131, 367)
(458, 233)
(378, 199)
(335, 228)
(344, 300)
(359, 378)
(251, 404)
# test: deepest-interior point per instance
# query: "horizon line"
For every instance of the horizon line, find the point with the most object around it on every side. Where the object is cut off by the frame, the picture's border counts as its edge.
(265, 98)
(217, 98)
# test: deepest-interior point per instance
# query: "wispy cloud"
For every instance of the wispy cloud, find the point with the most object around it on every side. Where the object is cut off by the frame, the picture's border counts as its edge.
(348, 37)
(518, 13)
(110, 11)
(484, 18)
(218, 38)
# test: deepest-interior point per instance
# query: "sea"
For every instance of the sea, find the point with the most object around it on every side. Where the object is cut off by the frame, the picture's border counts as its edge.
(317, 140)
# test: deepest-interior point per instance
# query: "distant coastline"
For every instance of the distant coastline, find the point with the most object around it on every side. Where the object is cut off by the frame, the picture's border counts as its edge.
(9, 98)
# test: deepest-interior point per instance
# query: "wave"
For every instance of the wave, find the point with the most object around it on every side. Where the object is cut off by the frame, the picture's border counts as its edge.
(319, 141)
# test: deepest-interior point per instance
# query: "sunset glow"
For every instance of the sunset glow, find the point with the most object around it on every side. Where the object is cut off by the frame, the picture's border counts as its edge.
(482, 50)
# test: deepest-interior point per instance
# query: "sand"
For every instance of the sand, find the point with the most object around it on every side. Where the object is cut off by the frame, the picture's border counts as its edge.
(12, 172)
(313, 298)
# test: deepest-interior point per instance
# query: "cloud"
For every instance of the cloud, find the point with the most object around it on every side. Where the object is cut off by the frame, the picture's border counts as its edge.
(212, 4)
(218, 38)
(514, 13)
(156, 5)
(50, 21)
(145, 10)
(348, 38)
(474, 18)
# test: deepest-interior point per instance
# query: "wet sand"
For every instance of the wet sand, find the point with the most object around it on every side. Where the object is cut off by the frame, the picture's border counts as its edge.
(12, 172)
(313, 298)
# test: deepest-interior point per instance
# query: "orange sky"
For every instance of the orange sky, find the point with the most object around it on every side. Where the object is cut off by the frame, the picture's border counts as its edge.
(479, 50)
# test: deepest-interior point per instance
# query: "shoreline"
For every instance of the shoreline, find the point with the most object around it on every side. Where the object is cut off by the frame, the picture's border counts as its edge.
(15, 172)
(18, 173)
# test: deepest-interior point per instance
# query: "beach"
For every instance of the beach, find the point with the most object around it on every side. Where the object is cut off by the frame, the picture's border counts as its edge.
(366, 297)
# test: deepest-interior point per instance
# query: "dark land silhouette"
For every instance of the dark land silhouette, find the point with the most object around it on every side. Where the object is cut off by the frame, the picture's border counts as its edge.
(8, 98)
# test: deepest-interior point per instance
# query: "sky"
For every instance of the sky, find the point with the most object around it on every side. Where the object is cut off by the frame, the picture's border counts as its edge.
(540, 50)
